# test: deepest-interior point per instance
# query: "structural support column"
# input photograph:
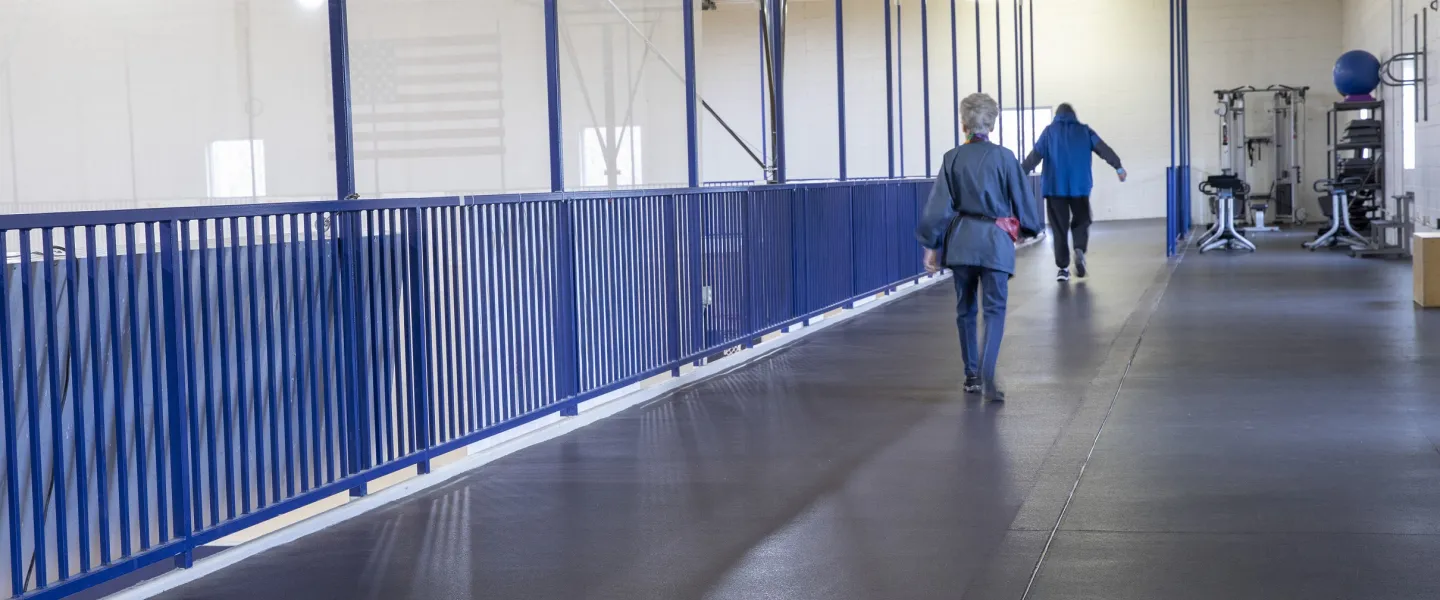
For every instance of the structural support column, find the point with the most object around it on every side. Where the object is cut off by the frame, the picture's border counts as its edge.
(774, 37)
(889, 94)
(552, 84)
(979, 55)
(955, 71)
(1185, 190)
(692, 103)
(340, 96)
(1021, 140)
(1170, 179)
(925, 76)
(840, 83)
(999, 64)
(1034, 127)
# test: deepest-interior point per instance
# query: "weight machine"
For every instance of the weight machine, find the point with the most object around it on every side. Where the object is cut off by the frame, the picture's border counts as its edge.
(1240, 151)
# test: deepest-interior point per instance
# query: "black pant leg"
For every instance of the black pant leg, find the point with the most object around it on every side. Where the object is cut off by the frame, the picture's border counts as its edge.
(1058, 209)
(1080, 222)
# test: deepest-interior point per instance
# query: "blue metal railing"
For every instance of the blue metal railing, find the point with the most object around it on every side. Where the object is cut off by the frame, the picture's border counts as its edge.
(171, 376)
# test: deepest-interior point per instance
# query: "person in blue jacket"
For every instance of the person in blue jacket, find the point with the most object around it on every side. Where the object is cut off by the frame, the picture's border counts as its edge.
(978, 183)
(1065, 147)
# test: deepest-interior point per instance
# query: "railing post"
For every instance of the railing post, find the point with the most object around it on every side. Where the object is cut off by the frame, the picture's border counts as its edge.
(419, 369)
(349, 238)
(799, 260)
(672, 282)
(747, 275)
(340, 99)
(695, 232)
(552, 85)
(854, 225)
(177, 404)
(566, 321)
(692, 108)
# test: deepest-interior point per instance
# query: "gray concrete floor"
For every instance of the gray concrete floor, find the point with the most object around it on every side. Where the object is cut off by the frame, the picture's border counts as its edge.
(1250, 426)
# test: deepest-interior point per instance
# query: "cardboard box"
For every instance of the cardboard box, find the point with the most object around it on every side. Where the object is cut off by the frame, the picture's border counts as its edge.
(1427, 269)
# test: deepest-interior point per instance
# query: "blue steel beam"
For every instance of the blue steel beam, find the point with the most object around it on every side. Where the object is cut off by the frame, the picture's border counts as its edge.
(900, 80)
(925, 74)
(1034, 127)
(340, 97)
(840, 81)
(979, 62)
(692, 115)
(1170, 191)
(955, 71)
(889, 93)
(552, 85)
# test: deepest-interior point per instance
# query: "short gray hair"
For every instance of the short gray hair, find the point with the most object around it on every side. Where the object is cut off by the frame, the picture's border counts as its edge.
(978, 113)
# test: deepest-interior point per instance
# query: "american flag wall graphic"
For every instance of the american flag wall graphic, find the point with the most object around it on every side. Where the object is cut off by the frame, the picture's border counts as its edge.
(427, 97)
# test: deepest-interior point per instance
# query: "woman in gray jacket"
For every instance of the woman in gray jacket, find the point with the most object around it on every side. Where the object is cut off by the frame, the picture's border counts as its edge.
(978, 184)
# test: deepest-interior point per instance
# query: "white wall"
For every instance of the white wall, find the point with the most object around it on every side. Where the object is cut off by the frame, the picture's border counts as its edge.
(1385, 27)
(108, 105)
(1106, 57)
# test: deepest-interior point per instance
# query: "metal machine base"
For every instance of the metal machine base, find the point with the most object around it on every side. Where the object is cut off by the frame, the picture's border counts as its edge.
(1223, 234)
(1260, 226)
(1341, 231)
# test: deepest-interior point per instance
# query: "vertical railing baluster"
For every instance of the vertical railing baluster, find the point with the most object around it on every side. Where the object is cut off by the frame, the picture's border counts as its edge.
(207, 394)
(672, 282)
(307, 392)
(385, 232)
(222, 399)
(117, 386)
(353, 334)
(157, 390)
(281, 400)
(193, 389)
(137, 388)
(318, 305)
(274, 250)
(77, 393)
(12, 451)
(375, 323)
(172, 272)
(262, 363)
(566, 309)
(242, 398)
(97, 392)
(419, 344)
(32, 394)
(57, 409)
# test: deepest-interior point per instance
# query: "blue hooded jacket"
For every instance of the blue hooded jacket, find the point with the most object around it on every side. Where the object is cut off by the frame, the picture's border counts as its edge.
(1065, 146)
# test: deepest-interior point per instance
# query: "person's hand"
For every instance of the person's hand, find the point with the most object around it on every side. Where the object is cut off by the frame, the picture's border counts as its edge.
(932, 261)
(1122, 174)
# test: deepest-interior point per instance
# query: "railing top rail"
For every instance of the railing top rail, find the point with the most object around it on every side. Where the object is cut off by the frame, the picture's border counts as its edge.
(100, 218)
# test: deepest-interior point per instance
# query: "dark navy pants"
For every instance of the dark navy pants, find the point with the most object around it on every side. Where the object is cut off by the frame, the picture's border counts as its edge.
(980, 289)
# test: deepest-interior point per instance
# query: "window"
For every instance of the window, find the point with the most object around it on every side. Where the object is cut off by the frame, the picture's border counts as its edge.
(236, 168)
(1407, 115)
(622, 144)
(1034, 121)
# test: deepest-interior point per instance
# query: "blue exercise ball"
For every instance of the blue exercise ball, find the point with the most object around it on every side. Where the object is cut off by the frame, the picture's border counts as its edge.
(1357, 73)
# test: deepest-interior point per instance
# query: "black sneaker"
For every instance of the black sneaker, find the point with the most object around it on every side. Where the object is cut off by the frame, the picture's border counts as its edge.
(993, 393)
(1064, 275)
(1079, 263)
(973, 385)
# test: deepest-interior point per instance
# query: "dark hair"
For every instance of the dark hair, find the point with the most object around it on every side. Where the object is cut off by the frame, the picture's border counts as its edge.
(1065, 109)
